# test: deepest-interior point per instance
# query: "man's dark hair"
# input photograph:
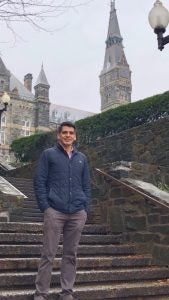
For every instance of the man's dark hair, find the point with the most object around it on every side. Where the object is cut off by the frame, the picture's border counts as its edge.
(66, 123)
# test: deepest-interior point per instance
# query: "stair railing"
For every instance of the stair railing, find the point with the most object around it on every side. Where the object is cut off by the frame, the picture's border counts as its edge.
(131, 188)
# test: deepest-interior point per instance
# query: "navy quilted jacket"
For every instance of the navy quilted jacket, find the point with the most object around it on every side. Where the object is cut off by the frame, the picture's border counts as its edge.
(62, 183)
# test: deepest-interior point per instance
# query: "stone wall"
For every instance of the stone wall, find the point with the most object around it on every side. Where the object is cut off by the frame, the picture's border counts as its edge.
(140, 220)
(10, 207)
(11, 201)
(147, 145)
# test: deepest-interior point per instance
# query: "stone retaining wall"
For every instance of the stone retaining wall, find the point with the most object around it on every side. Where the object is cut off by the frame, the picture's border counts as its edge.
(10, 208)
(147, 145)
(140, 220)
(11, 201)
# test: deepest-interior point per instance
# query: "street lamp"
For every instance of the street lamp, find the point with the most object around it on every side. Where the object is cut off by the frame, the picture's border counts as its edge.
(159, 19)
(4, 101)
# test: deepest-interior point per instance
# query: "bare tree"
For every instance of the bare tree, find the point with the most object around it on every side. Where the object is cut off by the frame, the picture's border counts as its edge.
(35, 12)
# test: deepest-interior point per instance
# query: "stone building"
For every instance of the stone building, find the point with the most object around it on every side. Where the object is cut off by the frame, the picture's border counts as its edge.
(115, 78)
(29, 112)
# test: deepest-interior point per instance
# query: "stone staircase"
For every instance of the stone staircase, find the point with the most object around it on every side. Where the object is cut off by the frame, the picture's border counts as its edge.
(30, 210)
(108, 268)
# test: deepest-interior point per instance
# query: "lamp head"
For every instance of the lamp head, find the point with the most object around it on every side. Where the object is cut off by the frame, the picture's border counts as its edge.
(158, 16)
(5, 98)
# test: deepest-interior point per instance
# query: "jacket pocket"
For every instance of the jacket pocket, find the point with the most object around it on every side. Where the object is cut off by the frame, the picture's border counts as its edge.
(55, 199)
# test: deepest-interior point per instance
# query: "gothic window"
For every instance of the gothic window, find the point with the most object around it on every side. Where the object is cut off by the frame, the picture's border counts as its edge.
(25, 127)
(2, 137)
(123, 60)
(2, 83)
(3, 120)
(108, 62)
(54, 115)
(105, 95)
(67, 116)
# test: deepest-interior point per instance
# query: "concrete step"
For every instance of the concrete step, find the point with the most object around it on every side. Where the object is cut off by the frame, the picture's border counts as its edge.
(32, 219)
(131, 291)
(88, 250)
(34, 215)
(30, 203)
(38, 217)
(36, 238)
(38, 228)
(16, 279)
(32, 211)
(20, 181)
(21, 264)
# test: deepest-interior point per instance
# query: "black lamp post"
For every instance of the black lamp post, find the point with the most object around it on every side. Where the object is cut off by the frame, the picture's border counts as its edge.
(159, 19)
(4, 101)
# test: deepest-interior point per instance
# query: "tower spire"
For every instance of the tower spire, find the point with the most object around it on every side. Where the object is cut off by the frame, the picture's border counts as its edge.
(112, 5)
(115, 77)
(113, 29)
(42, 79)
(42, 101)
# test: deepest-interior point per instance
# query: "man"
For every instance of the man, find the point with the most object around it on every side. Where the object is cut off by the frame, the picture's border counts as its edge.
(62, 188)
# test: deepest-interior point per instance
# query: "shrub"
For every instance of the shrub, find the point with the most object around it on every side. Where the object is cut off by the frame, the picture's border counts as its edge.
(29, 148)
(122, 118)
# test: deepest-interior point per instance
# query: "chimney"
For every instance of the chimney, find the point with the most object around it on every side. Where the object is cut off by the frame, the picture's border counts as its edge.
(28, 81)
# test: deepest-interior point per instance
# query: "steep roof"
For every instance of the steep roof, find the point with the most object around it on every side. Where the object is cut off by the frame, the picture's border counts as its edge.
(114, 47)
(3, 69)
(42, 78)
(113, 30)
(60, 113)
(23, 92)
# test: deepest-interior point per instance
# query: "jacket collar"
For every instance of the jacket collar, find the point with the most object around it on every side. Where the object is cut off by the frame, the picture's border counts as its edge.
(59, 146)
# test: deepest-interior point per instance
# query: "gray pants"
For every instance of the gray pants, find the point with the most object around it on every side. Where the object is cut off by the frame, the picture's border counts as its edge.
(55, 223)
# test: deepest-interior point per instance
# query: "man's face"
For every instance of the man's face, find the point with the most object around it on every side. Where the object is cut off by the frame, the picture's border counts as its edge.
(67, 136)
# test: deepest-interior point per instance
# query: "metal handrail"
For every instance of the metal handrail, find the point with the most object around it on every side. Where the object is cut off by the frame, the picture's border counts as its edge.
(131, 188)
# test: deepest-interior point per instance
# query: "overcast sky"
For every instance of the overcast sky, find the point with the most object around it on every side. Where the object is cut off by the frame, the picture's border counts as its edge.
(73, 55)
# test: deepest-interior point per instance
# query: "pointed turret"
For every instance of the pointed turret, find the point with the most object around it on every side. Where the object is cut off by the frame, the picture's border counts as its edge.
(42, 101)
(4, 77)
(115, 78)
(42, 78)
(42, 86)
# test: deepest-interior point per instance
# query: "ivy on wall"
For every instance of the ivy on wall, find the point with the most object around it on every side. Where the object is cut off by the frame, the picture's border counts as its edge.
(122, 118)
(29, 148)
(98, 126)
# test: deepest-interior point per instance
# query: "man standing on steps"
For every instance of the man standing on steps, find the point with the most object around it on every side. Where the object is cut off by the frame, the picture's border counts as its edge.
(62, 188)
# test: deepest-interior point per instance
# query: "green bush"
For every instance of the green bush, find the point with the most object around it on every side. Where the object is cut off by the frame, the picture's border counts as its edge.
(122, 118)
(28, 149)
